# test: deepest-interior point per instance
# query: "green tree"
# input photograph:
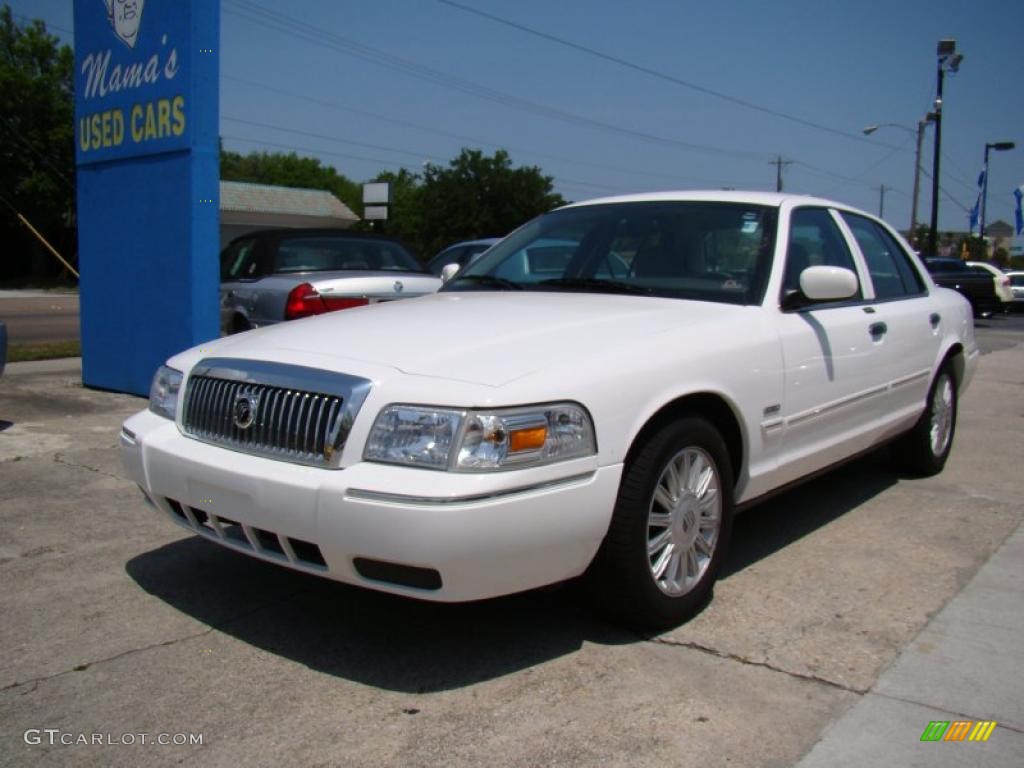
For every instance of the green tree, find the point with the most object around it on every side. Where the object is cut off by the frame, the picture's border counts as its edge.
(37, 153)
(290, 170)
(479, 196)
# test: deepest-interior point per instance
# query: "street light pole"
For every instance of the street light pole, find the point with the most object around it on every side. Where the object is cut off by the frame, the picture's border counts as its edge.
(998, 146)
(948, 57)
(921, 124)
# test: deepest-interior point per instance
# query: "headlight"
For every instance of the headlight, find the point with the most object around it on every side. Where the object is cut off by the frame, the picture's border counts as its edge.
(478, 441)
(163, 393)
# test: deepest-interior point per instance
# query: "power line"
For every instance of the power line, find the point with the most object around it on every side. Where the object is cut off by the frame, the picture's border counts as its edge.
(47, 26)
(658, 74)
(282, 23)
(255, 124)
(293, 148)
(312, 150)
(475, 140)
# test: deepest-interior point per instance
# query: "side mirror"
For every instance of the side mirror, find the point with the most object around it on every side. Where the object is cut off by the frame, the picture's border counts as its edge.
(828, 283)
(820, 284)
(448, 271)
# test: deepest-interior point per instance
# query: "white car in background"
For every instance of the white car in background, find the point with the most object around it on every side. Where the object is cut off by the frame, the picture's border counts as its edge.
(1001, 280)
(695, 353)
(1017, 287)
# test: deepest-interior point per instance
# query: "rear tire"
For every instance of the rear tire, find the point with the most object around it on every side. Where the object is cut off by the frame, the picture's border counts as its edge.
(670, 528)
(926, 447)
(240, 325)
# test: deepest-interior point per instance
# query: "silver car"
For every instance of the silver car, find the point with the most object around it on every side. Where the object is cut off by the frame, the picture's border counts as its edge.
(284, 274)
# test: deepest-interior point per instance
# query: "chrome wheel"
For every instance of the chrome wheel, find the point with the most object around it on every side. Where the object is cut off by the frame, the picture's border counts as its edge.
(684, 520)
(942, 405)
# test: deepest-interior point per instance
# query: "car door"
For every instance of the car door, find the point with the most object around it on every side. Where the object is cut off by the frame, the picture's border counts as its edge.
(910, 342)
(834, 394)
(240, 268)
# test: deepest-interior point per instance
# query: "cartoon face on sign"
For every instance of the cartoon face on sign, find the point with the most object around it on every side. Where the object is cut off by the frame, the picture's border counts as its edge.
(124, 16)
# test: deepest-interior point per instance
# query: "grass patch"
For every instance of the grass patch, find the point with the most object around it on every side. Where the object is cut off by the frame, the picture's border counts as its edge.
(43, 350)
(40, 284)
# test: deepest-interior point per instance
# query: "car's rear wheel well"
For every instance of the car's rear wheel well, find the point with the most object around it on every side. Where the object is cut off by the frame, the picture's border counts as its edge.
(955, 359)
(705, 405)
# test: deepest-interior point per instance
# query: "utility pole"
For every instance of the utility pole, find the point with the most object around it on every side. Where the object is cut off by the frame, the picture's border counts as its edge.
(778, 162)
(881, 201)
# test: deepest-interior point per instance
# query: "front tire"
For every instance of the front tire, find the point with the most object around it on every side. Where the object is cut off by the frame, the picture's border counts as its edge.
(670, 528)
(926, 447)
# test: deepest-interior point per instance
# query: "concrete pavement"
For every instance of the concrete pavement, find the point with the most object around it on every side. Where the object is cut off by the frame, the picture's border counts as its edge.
(835, 598)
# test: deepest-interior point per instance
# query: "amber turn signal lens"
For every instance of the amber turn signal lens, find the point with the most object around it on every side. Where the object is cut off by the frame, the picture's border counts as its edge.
(527, 439)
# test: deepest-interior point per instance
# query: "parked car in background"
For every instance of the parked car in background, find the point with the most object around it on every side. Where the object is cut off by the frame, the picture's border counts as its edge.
(461, 253)
(284, 274)
(595, 396)
(1017, 287)
(977, 286)
(999, 279)
(3, 347)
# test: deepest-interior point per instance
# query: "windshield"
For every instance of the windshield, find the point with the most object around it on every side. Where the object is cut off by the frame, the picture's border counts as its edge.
(688, 250)
(329, 254)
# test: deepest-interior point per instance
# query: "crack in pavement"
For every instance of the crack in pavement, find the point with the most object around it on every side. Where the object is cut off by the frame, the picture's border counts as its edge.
(764, 664)
(35, 681)
(59, 459)
(82, 667)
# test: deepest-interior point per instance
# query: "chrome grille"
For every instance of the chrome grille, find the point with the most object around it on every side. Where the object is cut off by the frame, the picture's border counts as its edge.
(292, 413)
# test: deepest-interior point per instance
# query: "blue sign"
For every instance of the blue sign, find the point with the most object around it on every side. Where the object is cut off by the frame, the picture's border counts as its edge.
(146, 125)
(132, 79)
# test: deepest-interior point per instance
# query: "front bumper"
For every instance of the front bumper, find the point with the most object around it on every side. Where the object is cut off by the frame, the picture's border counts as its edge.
(432, 535)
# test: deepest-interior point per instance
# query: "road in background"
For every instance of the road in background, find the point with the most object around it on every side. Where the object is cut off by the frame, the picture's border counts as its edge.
(38, 316)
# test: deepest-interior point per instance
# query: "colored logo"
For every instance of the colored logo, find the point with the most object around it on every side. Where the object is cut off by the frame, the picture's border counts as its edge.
(124, 17)
(958, 730)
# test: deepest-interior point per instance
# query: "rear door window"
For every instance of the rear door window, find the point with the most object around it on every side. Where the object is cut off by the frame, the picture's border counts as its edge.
(891, 273)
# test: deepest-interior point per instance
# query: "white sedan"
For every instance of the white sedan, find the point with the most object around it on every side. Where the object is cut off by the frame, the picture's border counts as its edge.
(600, 411)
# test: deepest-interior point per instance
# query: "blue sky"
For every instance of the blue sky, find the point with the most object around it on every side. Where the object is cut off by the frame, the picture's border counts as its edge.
(382, 84)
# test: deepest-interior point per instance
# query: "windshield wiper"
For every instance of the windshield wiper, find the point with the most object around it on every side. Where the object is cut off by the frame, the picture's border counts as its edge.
(595, 284)
(488, 280)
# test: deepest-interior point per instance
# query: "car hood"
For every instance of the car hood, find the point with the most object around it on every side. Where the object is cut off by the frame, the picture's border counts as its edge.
(489, 338)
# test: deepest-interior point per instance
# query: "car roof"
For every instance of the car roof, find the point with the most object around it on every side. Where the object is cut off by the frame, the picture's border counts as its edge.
(752, 197)
(478, 241)
(286, 232)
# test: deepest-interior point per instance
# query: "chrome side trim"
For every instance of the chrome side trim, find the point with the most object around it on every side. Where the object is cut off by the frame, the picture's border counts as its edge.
(438, 501)
(824, 410)
(910, 379)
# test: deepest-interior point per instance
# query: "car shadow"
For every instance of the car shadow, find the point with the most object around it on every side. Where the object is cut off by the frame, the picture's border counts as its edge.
(370, 637)
(784, 519)
(415, 646)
